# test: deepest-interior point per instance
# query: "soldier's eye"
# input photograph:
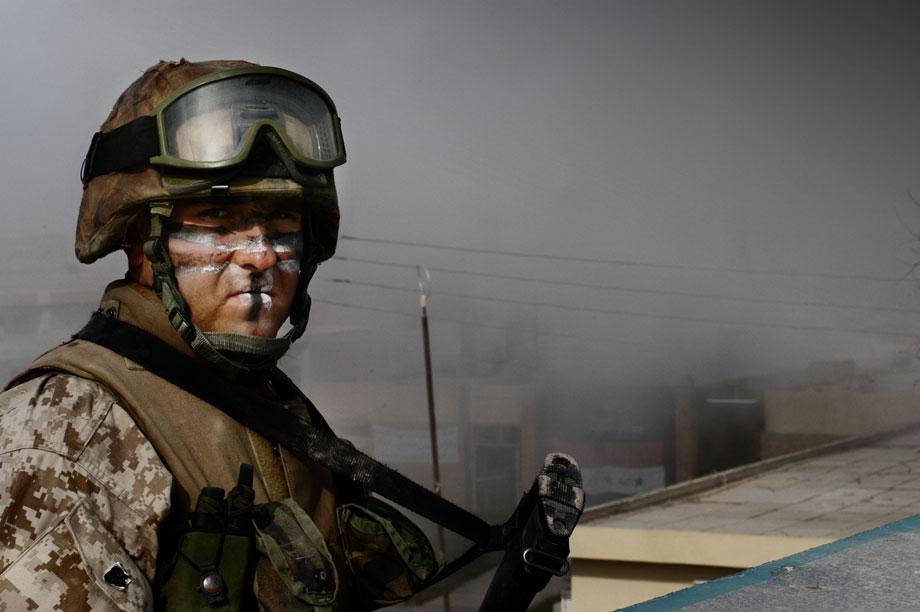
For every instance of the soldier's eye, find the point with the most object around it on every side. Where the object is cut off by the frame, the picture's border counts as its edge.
(212, 213)
(285, 215)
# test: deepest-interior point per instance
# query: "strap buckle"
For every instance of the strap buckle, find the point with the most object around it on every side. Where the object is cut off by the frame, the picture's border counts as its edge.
(545, 562)
(153, 249)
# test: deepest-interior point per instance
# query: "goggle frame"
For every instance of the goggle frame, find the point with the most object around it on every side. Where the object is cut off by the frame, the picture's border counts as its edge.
(168, 160)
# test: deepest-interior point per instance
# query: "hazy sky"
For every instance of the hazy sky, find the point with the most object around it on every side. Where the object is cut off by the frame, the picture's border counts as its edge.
(758, 151)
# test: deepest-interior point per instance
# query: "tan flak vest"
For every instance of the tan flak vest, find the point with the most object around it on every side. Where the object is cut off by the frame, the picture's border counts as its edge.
(199, 444)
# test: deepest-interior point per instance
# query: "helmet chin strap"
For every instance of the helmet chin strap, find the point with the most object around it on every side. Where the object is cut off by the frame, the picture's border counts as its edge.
(233, 354)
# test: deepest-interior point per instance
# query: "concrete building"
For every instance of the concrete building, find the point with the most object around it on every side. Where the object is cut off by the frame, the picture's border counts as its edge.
(638, 548)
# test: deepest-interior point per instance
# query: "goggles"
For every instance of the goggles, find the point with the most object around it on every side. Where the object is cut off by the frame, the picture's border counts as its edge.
(213, 122)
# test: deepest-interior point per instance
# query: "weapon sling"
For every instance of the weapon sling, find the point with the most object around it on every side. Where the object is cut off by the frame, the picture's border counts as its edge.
(306, 440)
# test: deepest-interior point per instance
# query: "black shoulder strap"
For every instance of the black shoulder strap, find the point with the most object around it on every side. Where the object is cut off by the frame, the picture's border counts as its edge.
(270, 419)
(347, 490)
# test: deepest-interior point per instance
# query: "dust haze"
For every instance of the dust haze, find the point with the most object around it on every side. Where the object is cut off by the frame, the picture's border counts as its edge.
(616, 201)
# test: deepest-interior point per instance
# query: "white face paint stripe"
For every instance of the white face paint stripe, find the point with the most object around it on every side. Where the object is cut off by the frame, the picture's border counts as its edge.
(205, 269)
(287, 243)
(289, 265)
(290, 243)
(198, 235)
(264, 282)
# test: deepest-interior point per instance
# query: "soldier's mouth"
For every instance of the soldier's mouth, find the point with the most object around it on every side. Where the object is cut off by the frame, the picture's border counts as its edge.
(255, 301)
(262, 290)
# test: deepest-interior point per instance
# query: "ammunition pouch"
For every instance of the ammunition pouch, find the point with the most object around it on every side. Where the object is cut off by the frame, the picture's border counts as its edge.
(213, 562)
(294, 545)
(183, 589)
(389, 556)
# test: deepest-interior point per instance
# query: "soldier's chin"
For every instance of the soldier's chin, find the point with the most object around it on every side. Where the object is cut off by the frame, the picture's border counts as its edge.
(261, 330)
(242, 323)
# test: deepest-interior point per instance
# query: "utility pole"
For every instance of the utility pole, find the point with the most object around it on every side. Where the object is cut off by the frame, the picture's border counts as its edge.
(424, 287)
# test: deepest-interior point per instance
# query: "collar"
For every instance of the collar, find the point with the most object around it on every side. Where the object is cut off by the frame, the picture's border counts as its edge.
(138, 305)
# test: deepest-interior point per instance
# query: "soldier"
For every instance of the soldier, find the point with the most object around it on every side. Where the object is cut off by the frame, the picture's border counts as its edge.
(216, 179)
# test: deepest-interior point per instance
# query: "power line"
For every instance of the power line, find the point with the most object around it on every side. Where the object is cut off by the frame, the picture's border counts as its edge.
(372, 308)
(624, 289)
(629, 262)
(485, 325)
(645, 315)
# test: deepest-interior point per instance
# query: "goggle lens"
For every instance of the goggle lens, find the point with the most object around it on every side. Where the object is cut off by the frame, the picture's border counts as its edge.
(212, 123)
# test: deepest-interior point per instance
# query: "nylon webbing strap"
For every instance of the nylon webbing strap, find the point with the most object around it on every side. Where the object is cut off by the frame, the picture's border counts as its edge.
(131, 144)
(304, 439)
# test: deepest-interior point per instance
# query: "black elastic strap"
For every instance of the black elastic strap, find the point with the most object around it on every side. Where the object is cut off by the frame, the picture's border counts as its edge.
(128, 145)
(307, 441)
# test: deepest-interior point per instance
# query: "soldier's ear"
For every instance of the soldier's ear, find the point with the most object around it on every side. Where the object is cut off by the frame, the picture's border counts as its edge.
(137, 231)
(139, 269)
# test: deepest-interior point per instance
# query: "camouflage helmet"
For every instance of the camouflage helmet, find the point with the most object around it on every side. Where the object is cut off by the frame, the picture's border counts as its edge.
(111, 201)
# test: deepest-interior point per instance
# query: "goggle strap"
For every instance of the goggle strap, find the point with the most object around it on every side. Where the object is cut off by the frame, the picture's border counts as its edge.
(128, 145)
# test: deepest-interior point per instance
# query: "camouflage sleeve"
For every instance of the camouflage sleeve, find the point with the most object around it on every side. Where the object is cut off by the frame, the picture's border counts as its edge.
(81, 492)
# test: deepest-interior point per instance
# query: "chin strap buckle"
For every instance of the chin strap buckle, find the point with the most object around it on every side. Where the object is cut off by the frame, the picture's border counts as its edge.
(153, 249)
(182, 325)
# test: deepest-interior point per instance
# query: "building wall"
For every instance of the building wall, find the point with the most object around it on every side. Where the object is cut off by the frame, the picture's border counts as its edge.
(841, 413)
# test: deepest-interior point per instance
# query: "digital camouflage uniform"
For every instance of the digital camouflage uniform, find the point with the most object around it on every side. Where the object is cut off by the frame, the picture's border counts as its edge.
(80, 488)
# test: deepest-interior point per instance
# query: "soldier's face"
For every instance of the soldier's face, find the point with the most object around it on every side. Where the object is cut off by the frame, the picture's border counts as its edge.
(237, 264)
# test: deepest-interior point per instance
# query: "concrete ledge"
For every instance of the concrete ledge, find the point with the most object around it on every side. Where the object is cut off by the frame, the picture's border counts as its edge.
(684, 547)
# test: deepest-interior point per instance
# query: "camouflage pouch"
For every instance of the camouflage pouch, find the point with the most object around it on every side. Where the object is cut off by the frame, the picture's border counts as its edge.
(294, 545)
(388, 554)
(213, 561)
(182, 591)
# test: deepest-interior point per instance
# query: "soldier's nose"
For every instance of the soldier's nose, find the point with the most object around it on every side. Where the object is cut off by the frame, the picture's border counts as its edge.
(255, 252)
